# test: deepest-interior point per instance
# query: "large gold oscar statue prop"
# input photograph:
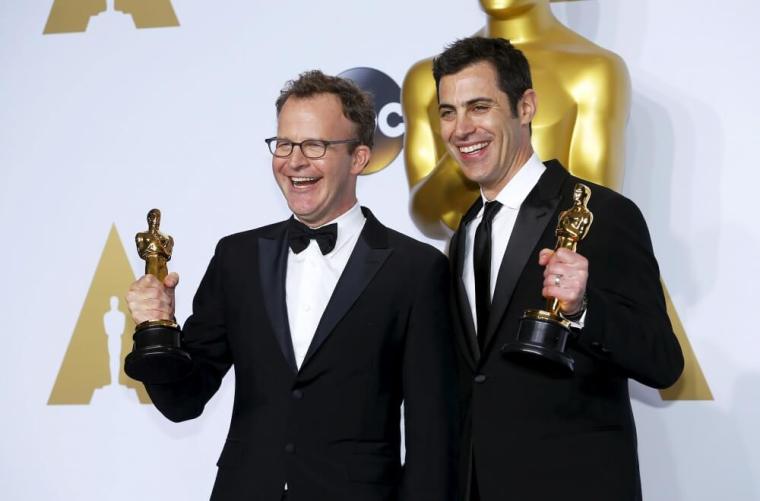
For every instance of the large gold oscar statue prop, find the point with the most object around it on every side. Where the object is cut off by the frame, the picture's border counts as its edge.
(543, 334)
(156, 356)
(584, 94)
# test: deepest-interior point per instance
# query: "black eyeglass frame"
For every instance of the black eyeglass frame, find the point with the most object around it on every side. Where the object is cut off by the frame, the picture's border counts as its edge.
(325, 144)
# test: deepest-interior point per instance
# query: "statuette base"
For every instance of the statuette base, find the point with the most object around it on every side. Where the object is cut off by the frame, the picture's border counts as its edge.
(157, 357)
(541, 338)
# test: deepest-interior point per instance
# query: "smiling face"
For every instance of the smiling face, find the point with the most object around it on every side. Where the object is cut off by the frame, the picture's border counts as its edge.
(489, 142)
(318, 191)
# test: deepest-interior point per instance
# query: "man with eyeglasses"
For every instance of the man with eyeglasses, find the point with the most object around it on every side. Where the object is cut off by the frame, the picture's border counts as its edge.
(331, 321)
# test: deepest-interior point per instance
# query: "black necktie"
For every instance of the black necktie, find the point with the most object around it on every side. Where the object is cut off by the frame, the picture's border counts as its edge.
(299, 236)
(482, 267)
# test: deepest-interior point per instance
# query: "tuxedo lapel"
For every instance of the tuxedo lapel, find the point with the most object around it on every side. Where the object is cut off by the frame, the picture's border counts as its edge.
(535, 213)
(468, 340)
(368, 256)
(273, 264)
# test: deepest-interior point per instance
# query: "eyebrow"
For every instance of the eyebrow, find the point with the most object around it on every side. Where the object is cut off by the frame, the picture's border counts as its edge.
(469, 102)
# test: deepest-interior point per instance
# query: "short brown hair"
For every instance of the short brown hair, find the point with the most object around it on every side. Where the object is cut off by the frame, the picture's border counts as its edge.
(357, 104)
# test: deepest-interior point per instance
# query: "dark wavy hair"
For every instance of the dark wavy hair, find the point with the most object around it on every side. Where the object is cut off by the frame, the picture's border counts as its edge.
(510, 64)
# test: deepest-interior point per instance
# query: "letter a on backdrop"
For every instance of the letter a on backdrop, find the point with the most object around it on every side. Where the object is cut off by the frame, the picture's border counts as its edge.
(85, 365)
(73, 16)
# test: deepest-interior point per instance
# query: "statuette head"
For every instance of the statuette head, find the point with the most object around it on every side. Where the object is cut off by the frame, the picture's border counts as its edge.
(154, 220)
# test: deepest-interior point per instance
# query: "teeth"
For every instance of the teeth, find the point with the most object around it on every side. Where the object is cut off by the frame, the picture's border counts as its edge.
(304, 181)
(473, 147)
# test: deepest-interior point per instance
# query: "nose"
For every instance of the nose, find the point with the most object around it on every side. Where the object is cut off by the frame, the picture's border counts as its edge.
(464, 126)
(297, 160)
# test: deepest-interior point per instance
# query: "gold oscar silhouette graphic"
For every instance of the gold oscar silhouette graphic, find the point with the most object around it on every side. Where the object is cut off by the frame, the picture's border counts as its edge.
(73, 16)
(584, 98)
(85, 366)
(156, 356)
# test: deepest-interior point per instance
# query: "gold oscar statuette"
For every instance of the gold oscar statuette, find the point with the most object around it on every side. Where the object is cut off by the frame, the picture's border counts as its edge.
(157, 356)
(543, 334)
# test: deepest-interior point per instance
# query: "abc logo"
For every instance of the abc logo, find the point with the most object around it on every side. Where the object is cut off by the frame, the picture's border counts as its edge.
(389, 131)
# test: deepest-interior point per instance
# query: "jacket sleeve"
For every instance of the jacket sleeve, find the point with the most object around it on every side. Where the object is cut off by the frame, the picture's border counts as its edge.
(627, 324)
(429, 387)
(204, 337)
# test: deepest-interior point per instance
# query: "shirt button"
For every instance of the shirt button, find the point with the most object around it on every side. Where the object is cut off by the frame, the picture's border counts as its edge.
(307, 307)
(290, 448)
(480, 378)
(297, 394)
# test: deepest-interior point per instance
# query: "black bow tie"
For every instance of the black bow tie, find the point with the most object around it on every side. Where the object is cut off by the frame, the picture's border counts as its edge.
(299, 236)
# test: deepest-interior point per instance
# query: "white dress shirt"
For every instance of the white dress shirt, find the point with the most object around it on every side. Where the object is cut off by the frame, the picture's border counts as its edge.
(311, 278)
(511, 197)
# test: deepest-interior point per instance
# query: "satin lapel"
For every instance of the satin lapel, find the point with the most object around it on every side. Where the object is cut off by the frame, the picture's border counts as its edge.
(536, 212)
(368, 256)
(273, 265)
(468, 340)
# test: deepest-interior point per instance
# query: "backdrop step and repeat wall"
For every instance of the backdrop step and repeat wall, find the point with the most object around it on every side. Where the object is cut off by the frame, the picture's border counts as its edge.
(110, 108)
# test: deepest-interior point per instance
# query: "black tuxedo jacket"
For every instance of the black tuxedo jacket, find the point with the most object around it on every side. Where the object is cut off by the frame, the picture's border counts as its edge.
(534, 435)
(331, 429)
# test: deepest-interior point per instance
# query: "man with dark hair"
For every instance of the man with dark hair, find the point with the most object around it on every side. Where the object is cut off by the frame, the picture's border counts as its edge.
(330, 319)
(511, 66)
(531, 433)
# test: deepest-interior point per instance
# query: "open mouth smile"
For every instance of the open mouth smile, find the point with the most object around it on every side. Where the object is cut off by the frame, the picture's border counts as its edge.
(303, 181)
(472, 148)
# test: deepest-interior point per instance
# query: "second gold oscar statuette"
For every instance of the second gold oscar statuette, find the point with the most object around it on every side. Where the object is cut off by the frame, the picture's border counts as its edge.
(543, 334)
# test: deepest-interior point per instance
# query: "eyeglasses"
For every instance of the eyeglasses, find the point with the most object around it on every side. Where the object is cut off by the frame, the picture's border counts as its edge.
(311, 148)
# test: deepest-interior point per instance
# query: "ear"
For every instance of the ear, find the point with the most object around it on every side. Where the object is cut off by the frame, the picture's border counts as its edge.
(526, 107)
(360, 158)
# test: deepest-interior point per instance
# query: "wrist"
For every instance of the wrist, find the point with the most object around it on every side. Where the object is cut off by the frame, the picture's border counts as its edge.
(577, 315)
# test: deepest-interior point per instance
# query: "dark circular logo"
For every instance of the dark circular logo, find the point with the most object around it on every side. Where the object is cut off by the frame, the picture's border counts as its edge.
(389, 127)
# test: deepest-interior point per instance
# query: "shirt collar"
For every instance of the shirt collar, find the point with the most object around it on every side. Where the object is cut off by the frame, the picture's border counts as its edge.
(517, 189)
(349, 224)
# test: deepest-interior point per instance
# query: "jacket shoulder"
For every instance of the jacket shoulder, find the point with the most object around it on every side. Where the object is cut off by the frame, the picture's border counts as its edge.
(411, 245)
(604, 198)
(262, 231)
(250, 237)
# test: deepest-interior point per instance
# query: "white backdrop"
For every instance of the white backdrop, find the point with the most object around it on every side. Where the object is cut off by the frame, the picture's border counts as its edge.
(98, 127)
